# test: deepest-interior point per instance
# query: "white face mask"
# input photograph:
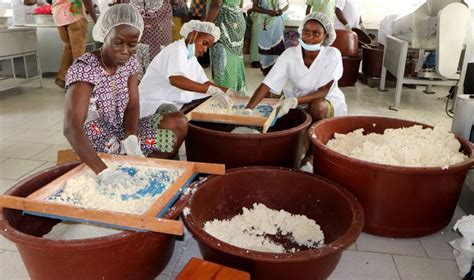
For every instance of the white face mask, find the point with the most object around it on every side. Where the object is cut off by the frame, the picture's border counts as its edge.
(192, 48)
(308, 47)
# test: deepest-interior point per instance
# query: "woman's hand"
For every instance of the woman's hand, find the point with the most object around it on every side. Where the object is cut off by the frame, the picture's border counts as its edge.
(272, 13)
(131, 146)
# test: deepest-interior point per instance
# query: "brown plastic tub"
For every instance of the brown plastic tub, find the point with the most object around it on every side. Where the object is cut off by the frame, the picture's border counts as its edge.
(372, 59)
(221, 197)
(398, 201)
(213, 142)
(350, 71)
(126, 255)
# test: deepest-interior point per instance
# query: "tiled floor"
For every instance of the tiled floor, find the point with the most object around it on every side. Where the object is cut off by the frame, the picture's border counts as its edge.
(30, 136)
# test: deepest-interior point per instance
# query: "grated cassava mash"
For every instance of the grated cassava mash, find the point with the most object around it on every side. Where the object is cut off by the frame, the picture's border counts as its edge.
(412, 147)
(251, 230)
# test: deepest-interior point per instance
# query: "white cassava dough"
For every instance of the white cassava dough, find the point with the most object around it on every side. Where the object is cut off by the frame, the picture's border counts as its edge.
(71, 230)
(237, 109)
(249, 229)
(128, 197)
(412, 146)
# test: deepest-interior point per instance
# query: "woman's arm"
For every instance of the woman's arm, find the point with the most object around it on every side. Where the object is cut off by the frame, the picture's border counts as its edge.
(320, 93)
(258, 95)
(75, 113)
(184, 83)
(213, 10)
(90, 9)
(340, 16)
(224, 89)
(132, 113)
(258, 9)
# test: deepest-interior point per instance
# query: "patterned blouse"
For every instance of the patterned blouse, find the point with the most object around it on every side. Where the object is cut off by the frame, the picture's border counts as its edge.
(108, 102)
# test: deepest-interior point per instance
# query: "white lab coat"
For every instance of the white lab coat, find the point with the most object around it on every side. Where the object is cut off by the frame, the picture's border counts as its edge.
(290, 75)
(155, 88)
(352, 10)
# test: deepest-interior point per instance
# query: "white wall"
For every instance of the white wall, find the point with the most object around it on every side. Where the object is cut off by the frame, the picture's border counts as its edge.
(6, 8)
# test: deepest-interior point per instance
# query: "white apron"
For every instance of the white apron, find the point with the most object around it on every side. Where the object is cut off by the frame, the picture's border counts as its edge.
(291, 76)
(155, 88)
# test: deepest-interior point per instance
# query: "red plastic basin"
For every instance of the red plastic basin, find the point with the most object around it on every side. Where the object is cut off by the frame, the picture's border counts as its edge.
(398, 201)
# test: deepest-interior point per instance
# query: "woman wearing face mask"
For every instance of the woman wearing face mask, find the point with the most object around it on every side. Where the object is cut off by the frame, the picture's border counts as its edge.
(175, 77)
(102, 107)
(311, 69)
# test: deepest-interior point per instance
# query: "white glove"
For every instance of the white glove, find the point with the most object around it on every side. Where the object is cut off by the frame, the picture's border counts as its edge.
(231, 92)
(112, 177)
(221, 99)
(247, 112)
(131, 146)
(361, 25)
(112, 146)
(285, 105)
(348, 27)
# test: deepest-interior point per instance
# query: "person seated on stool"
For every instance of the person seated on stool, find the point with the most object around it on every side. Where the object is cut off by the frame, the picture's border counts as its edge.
(102, 103)
(175, 77)
(311, 70)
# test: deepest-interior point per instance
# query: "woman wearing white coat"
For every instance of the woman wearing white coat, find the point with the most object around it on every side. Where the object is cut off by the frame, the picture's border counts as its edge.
(175, 77)
(310, 72)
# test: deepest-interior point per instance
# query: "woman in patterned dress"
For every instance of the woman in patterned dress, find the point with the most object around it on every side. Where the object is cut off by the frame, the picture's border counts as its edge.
(158, 18)
(180, 17)
(102, 103)
(270, 27)
(226, 55)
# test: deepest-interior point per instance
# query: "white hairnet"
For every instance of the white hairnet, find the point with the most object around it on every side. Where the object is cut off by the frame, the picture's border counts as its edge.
(200, 26)
(117, 15)
(328, 26)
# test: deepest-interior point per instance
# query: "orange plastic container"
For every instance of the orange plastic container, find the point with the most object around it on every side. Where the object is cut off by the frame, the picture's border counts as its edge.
(398, 201)
(213, 142)
(125, 255)
(338, 213)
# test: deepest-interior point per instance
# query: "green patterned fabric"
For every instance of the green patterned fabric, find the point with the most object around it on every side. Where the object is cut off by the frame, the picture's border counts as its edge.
(327, 7)
(165, 140)
(330, 112)
(254, 39)
(156, 120)
(164, 137)
(226, 55)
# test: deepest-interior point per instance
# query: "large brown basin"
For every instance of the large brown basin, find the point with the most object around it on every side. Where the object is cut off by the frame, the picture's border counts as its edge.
(213, 142)
(222, 197)
(397, 201)
(125, 255)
